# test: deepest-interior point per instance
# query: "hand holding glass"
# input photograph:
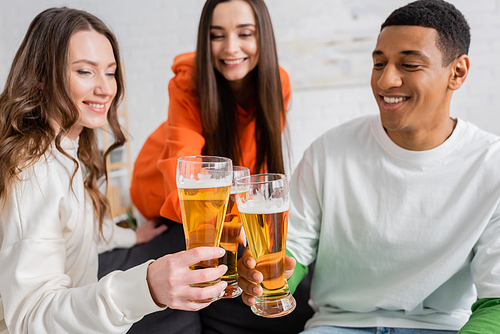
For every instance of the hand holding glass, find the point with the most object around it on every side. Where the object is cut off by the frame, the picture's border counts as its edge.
(204, 184)
(264, 212)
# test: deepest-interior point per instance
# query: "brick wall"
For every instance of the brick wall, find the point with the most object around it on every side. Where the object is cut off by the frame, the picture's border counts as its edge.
(325, 45)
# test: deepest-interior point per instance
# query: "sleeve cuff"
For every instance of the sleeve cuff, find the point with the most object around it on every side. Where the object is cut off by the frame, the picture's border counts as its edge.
(124, 237)
(299, 273)
(130, 292)
(485, 318)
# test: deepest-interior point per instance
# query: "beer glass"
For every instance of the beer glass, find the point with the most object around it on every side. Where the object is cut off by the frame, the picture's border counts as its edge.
(264, 212)
(231, 233)
(204, 184)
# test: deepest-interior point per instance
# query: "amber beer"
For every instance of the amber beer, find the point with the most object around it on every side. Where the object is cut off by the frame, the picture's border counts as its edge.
(264, 212)
(265, 233)
(203, 212)
(203, 184)
(231, 233)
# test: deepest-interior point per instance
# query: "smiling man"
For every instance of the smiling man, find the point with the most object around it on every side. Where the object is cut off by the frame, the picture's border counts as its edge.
(413, 84)
(400, 210)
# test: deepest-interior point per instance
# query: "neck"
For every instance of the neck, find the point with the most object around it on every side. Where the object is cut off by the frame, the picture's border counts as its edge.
(242, 91)
(424, 139)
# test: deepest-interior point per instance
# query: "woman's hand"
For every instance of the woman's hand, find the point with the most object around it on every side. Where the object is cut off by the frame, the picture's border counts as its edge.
(169, 278)
(249, 277)
(149, 230)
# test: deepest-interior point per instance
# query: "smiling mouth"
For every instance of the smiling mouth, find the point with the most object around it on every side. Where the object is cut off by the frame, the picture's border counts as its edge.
(234, 62)
(95, 105)
(394, 100)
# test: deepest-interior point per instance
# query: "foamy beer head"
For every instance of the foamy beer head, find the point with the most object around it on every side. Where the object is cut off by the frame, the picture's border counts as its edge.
(238, 172)
(204, 172)
(262, 193)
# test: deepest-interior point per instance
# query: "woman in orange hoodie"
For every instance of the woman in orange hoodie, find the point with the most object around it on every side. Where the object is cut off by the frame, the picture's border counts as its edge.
(229, 98)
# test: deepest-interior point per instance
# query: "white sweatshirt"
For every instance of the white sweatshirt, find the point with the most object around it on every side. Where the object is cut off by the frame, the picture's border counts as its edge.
(48, 258)
(399, 237)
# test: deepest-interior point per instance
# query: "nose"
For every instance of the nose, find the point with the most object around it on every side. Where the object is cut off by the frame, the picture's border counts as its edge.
(105, 85)
(390, 77)
(232, 44)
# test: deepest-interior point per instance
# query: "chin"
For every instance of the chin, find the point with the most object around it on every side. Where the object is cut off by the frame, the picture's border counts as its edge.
(96, 125)
(390, 124)
(234, 78)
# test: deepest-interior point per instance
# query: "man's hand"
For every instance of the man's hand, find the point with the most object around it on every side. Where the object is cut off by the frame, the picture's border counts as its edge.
(249, 277)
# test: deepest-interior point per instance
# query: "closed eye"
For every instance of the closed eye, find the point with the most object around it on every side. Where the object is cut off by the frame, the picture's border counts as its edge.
(83, 72)
(212, 36)
(246, 33)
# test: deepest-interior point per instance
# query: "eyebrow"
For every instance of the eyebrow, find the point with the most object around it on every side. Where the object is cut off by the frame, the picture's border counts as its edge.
(93, 63)
(244, 25)
(405, 53)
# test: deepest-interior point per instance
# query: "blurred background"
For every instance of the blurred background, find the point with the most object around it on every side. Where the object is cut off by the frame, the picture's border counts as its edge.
(324, 45)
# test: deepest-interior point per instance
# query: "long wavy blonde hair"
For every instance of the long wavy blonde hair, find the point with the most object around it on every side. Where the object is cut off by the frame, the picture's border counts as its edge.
(37, 92)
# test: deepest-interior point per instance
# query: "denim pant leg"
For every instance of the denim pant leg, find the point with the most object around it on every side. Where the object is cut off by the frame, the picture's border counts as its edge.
(339, 330)
(374, 330)
(420, 331)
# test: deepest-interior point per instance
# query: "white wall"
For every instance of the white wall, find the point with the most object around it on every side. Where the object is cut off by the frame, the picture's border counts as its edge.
(325, 45)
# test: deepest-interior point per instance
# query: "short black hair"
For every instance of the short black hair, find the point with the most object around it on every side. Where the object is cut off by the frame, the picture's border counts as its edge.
(452, 27)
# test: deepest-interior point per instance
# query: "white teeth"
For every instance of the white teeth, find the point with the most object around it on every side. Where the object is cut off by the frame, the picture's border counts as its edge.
(392, 100)
(96, 105)
(233, 62)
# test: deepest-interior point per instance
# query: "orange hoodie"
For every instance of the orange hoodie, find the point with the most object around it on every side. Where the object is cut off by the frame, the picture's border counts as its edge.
(153, 187)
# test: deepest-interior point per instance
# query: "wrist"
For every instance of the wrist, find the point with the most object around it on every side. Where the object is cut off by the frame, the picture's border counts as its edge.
(149, 275)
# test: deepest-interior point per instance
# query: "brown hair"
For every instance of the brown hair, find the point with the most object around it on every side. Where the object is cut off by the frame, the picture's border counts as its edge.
(37, 92)
(218, 104)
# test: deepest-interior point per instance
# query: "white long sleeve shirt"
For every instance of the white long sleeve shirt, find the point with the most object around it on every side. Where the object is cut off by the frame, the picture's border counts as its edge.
(399, 237)
(48, 258)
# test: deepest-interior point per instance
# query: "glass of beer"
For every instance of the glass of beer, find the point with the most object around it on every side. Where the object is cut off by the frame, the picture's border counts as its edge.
(231, 233)
(264, 211)
(204, 184)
